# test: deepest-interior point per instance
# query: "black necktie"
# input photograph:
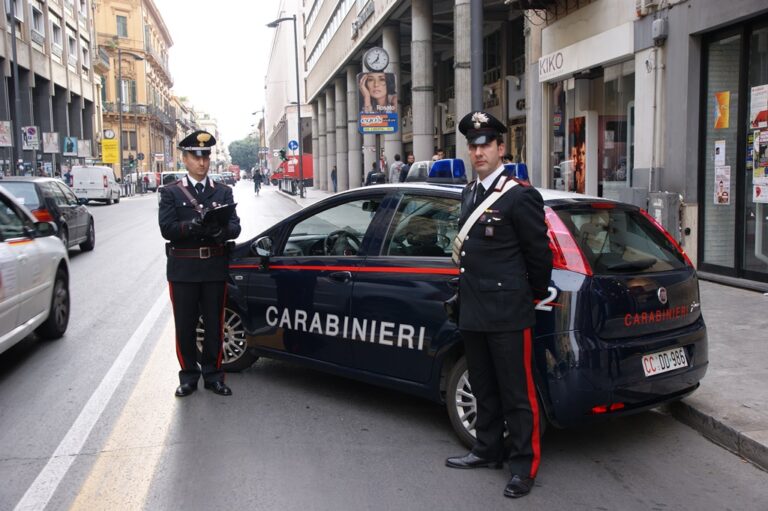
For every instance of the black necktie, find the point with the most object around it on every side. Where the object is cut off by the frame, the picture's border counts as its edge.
(479, 195)
(199, 187)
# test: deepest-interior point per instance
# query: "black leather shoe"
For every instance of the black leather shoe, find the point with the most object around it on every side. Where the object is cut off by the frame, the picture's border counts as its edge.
(518, 487)
(470, 460)
(219, 387)
(185, 389)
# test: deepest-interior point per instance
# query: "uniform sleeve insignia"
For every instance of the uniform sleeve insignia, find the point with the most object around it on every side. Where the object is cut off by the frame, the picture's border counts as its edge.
(479, 118)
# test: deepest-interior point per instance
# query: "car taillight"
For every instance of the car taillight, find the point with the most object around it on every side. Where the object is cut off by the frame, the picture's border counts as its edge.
(42, 215)
(669, 237)
(566, 253)
(106, 182)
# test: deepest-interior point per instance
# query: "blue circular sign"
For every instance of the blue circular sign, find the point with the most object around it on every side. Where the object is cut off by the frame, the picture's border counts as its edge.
(293, 145)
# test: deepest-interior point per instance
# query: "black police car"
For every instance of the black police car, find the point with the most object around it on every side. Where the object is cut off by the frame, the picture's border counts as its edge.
(355, 285)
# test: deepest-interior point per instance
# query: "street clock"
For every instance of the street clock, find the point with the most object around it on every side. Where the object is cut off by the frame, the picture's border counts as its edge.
(109, 134)
(376, 59)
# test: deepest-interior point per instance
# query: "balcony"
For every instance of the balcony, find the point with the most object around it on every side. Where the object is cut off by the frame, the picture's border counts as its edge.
(152, 112)
(156, 59)
(101, 63)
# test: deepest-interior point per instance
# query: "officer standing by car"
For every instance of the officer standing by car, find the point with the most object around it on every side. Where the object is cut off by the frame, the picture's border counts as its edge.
(505, 263)
(197, 265)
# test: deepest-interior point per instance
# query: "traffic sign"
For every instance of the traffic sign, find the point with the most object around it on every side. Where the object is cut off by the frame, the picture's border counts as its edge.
(293, 145)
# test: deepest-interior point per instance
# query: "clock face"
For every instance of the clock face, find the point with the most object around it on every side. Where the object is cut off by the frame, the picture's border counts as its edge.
(109, 134)
(376, 59)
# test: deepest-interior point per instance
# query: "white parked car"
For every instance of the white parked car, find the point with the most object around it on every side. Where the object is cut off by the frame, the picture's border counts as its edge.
(34, 296)
(95, 183)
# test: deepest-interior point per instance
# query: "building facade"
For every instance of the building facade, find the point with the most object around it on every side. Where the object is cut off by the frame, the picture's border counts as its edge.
(49, 108)
(662, 104)
(428, 45)
(134, 36)
(280, 112)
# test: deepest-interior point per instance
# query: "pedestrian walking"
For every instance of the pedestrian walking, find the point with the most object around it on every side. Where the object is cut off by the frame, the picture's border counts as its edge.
(394, 169)
(333, 178)
(505, 263)
(197, 217)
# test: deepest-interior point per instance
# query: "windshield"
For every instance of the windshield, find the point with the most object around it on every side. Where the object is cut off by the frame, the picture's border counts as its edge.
(24, 192)
(618, 241)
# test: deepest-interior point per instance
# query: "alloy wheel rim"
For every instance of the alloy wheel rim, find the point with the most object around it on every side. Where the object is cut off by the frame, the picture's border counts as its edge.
(235, 344)
(61, 305)
(465, 403)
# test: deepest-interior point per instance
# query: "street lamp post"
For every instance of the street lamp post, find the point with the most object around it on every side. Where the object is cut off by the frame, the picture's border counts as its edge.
(120, 107)
(298, 96)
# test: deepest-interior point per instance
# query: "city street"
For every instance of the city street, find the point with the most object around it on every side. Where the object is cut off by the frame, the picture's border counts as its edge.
(90, 421)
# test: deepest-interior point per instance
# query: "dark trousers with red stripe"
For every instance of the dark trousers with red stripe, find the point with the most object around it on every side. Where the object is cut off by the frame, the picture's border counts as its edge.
(501, 377)
(190, 301)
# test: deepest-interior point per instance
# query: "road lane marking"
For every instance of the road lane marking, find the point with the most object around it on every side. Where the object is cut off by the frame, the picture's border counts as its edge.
(40, 492)
(122, 474)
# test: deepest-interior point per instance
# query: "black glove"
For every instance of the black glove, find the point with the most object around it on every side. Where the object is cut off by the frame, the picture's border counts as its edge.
(192, 227)
(214, 231)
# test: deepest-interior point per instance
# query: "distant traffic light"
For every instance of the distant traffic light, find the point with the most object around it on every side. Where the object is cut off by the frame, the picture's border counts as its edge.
(282, 155)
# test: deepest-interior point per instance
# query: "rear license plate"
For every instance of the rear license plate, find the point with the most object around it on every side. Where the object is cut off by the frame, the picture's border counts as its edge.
(663, 361)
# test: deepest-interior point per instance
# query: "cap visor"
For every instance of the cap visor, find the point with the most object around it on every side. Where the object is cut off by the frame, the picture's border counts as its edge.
(480, 139)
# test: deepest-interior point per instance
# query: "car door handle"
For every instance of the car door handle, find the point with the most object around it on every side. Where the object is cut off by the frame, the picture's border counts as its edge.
(341, 276)
(453, 283)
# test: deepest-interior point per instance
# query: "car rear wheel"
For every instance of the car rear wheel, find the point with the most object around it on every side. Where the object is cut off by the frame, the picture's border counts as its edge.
(237, 356)
(58, 315)
(90, 241)
(109, 200)
(462, 406)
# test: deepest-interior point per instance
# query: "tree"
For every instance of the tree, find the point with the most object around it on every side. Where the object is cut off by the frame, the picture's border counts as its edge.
(245, 152)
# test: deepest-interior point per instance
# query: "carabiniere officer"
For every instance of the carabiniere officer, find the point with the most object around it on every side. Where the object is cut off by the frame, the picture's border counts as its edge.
(505, 264)
(197, 264)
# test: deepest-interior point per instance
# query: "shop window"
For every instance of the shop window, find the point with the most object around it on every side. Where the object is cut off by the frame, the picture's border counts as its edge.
(721, 135)
(592, 131)
(756, 182)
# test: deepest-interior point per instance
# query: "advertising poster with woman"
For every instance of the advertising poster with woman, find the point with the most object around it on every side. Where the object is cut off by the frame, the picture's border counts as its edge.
(377, 101)
(577, 149)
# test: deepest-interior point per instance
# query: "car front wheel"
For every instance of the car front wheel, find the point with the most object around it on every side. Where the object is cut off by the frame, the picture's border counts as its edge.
(58, 315)
(237, 356)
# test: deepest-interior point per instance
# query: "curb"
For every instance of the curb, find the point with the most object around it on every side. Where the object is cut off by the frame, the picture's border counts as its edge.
(738, 442)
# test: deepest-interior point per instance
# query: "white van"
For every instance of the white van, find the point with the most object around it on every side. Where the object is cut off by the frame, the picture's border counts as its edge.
(95, 183)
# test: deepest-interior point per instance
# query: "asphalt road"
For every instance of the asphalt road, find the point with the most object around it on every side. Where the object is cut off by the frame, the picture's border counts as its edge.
(90, 421)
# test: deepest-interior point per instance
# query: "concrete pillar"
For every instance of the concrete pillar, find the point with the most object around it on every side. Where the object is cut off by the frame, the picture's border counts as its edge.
(393, 144)
(330, 135)
(354, 138)
(315, 143)
(462, 74)
(342, 172)
(322, 168)
(422, 90)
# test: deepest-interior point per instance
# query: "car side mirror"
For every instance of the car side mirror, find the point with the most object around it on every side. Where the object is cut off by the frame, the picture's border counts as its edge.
(262, 247)
(44, 229)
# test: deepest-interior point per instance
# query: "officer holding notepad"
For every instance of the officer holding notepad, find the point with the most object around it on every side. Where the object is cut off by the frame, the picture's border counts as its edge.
(197, 217)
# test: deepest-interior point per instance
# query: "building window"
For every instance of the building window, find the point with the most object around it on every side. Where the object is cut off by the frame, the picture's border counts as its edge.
(19, 9)
(103, 81)
(86, 56)
(56, 31)
(83, 9)
(122, 26)
(72, 50)
(37, 21)
(129, 141)
(129, 93)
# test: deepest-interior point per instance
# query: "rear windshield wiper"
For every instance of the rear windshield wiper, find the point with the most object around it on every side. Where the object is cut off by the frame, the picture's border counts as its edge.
(640, 264)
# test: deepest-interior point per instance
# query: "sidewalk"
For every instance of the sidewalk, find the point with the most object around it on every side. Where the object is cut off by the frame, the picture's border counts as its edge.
(731, 406)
